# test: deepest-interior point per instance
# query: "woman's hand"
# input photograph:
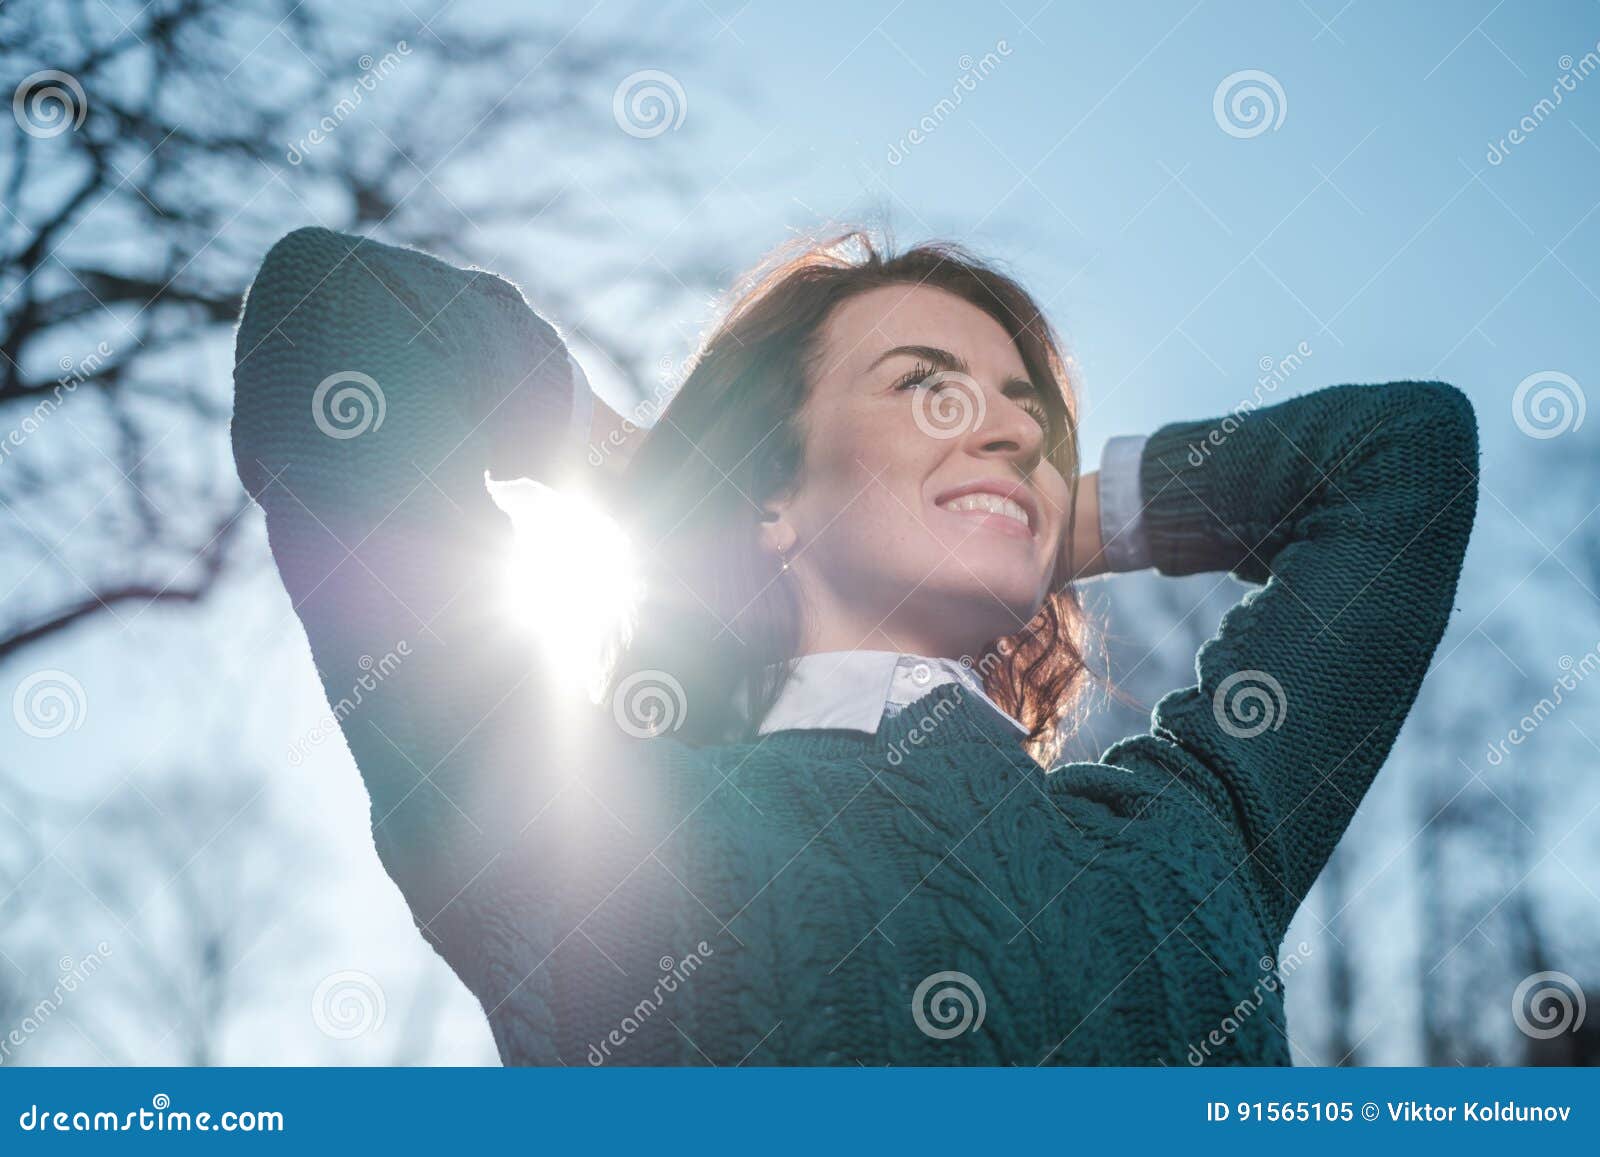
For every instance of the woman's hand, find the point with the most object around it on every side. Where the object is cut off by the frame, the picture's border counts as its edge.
(1083, 551)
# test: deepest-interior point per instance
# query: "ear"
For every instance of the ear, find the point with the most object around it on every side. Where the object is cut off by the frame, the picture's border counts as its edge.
(777, 533)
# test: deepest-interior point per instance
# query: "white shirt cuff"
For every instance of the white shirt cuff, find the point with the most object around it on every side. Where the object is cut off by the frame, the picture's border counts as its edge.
(1122, 532)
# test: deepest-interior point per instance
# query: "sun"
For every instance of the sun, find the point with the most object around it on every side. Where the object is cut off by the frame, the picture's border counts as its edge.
(570, 578)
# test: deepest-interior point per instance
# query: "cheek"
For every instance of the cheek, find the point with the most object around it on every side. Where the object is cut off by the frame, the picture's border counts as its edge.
(863, 483)
(844, 454)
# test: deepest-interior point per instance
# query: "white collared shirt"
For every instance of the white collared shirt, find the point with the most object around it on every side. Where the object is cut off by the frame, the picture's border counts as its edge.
(857, 690)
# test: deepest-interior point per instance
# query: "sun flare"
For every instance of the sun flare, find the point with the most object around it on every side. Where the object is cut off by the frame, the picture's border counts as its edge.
(570, 578)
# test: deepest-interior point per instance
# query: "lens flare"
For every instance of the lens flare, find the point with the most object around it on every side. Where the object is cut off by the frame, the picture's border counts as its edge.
(570, 580)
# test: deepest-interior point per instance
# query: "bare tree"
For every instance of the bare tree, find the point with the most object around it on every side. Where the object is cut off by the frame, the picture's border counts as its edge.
(159, 148)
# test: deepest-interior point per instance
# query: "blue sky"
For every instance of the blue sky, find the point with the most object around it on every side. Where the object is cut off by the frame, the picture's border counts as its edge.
(1174, 256)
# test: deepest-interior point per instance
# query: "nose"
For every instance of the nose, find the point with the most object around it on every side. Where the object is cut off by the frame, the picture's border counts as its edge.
(1007, 431)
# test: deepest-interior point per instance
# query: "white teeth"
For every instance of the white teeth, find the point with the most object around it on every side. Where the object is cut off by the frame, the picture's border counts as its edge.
(987, 504)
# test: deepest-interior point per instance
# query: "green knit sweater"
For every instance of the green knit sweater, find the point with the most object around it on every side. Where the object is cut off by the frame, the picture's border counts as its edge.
(828, 896)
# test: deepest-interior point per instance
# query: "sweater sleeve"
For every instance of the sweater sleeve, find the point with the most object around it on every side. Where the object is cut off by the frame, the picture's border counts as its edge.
(374, 389)
(1352, 506)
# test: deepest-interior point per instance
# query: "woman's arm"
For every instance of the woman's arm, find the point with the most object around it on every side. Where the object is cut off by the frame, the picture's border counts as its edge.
(1353, 505)
(374, 387)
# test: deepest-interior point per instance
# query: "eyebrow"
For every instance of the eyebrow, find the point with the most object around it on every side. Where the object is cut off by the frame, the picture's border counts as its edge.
(946, 360)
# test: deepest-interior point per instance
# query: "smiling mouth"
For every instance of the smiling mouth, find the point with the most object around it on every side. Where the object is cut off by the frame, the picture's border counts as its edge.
(1001, 513)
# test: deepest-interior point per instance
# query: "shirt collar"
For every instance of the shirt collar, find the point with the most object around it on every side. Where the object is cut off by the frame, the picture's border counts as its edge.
(857, 690)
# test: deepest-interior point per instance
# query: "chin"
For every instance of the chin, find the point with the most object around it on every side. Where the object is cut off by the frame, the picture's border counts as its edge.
(1012, 574)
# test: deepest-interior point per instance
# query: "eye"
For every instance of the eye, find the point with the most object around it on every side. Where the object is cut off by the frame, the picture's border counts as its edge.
(915, 378)
(1027, 399)
(1035, 408)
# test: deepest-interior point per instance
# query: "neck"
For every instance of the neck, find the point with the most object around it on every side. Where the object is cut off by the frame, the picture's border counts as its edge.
(858, 612)
(847, 638)
(831, 626)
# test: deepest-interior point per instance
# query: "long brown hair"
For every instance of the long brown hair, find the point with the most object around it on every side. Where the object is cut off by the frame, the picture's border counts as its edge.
(718, 618)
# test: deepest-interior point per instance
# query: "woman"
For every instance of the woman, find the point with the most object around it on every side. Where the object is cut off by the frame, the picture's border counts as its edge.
(812, 822)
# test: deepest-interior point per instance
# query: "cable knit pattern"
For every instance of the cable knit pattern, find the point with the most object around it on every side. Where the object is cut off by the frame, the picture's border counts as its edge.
(624, 901)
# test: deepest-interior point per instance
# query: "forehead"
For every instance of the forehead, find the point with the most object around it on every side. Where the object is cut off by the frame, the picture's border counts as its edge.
(892, 315)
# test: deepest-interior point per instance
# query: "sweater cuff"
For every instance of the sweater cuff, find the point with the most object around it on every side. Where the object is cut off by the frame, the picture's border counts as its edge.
(1185, 531)
(1125, 542)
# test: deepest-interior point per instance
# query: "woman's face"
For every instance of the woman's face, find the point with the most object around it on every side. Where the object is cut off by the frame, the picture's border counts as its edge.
(926, 518)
